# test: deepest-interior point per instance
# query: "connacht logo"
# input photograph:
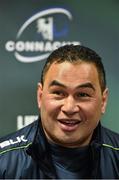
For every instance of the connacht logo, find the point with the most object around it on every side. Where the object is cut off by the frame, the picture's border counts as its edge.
(41, 34)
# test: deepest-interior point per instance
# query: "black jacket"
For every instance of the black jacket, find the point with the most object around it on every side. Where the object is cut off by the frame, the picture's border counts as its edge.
(26, 154)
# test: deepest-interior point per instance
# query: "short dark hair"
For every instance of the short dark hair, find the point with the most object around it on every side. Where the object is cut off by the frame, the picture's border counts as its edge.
(73, 54)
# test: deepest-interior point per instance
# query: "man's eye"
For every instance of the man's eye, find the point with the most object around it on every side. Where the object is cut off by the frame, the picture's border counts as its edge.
(59, 93)
(83, 94)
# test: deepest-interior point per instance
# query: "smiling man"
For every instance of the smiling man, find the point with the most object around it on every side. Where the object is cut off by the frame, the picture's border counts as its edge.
(71, 103)
(68, 141)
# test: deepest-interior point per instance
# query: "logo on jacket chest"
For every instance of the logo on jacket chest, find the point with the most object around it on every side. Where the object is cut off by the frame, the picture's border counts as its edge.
(9, 142)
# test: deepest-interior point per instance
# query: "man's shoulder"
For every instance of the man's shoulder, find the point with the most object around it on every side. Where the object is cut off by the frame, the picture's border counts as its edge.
(110, 138)
(19, 139)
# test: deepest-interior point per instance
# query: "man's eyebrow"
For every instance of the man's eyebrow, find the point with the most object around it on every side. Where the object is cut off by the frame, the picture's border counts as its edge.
(56, 83)
(84, 85)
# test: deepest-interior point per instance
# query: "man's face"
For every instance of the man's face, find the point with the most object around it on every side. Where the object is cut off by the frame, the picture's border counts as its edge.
(71, 103)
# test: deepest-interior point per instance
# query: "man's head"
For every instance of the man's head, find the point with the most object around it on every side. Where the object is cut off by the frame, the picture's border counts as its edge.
(75, 54)
(72, 95)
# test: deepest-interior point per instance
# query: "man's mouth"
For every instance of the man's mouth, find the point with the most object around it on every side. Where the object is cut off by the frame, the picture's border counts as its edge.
(69, 124)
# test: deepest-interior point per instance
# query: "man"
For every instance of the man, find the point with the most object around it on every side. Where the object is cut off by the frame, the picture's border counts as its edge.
(68, 141)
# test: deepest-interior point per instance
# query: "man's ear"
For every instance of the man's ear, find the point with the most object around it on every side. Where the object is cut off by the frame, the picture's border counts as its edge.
(39, 94)
(104, 100)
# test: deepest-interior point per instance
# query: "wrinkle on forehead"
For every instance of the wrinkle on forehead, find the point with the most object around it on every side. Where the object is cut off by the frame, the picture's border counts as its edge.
(73, 74)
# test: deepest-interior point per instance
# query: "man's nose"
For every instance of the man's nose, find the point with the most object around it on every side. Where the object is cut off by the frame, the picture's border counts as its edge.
(70, 106)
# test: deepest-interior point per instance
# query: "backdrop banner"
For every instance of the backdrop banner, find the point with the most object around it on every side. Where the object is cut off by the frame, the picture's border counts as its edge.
(31, 29)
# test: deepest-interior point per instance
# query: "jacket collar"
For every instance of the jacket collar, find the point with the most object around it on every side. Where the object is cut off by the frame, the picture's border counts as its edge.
(39, 150)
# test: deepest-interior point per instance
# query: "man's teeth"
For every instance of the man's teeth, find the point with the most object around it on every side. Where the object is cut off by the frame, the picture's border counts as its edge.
(70, 122)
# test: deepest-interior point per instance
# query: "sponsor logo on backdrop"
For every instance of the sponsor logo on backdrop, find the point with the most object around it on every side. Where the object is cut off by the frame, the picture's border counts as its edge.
(41, 34)
(25, 120)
